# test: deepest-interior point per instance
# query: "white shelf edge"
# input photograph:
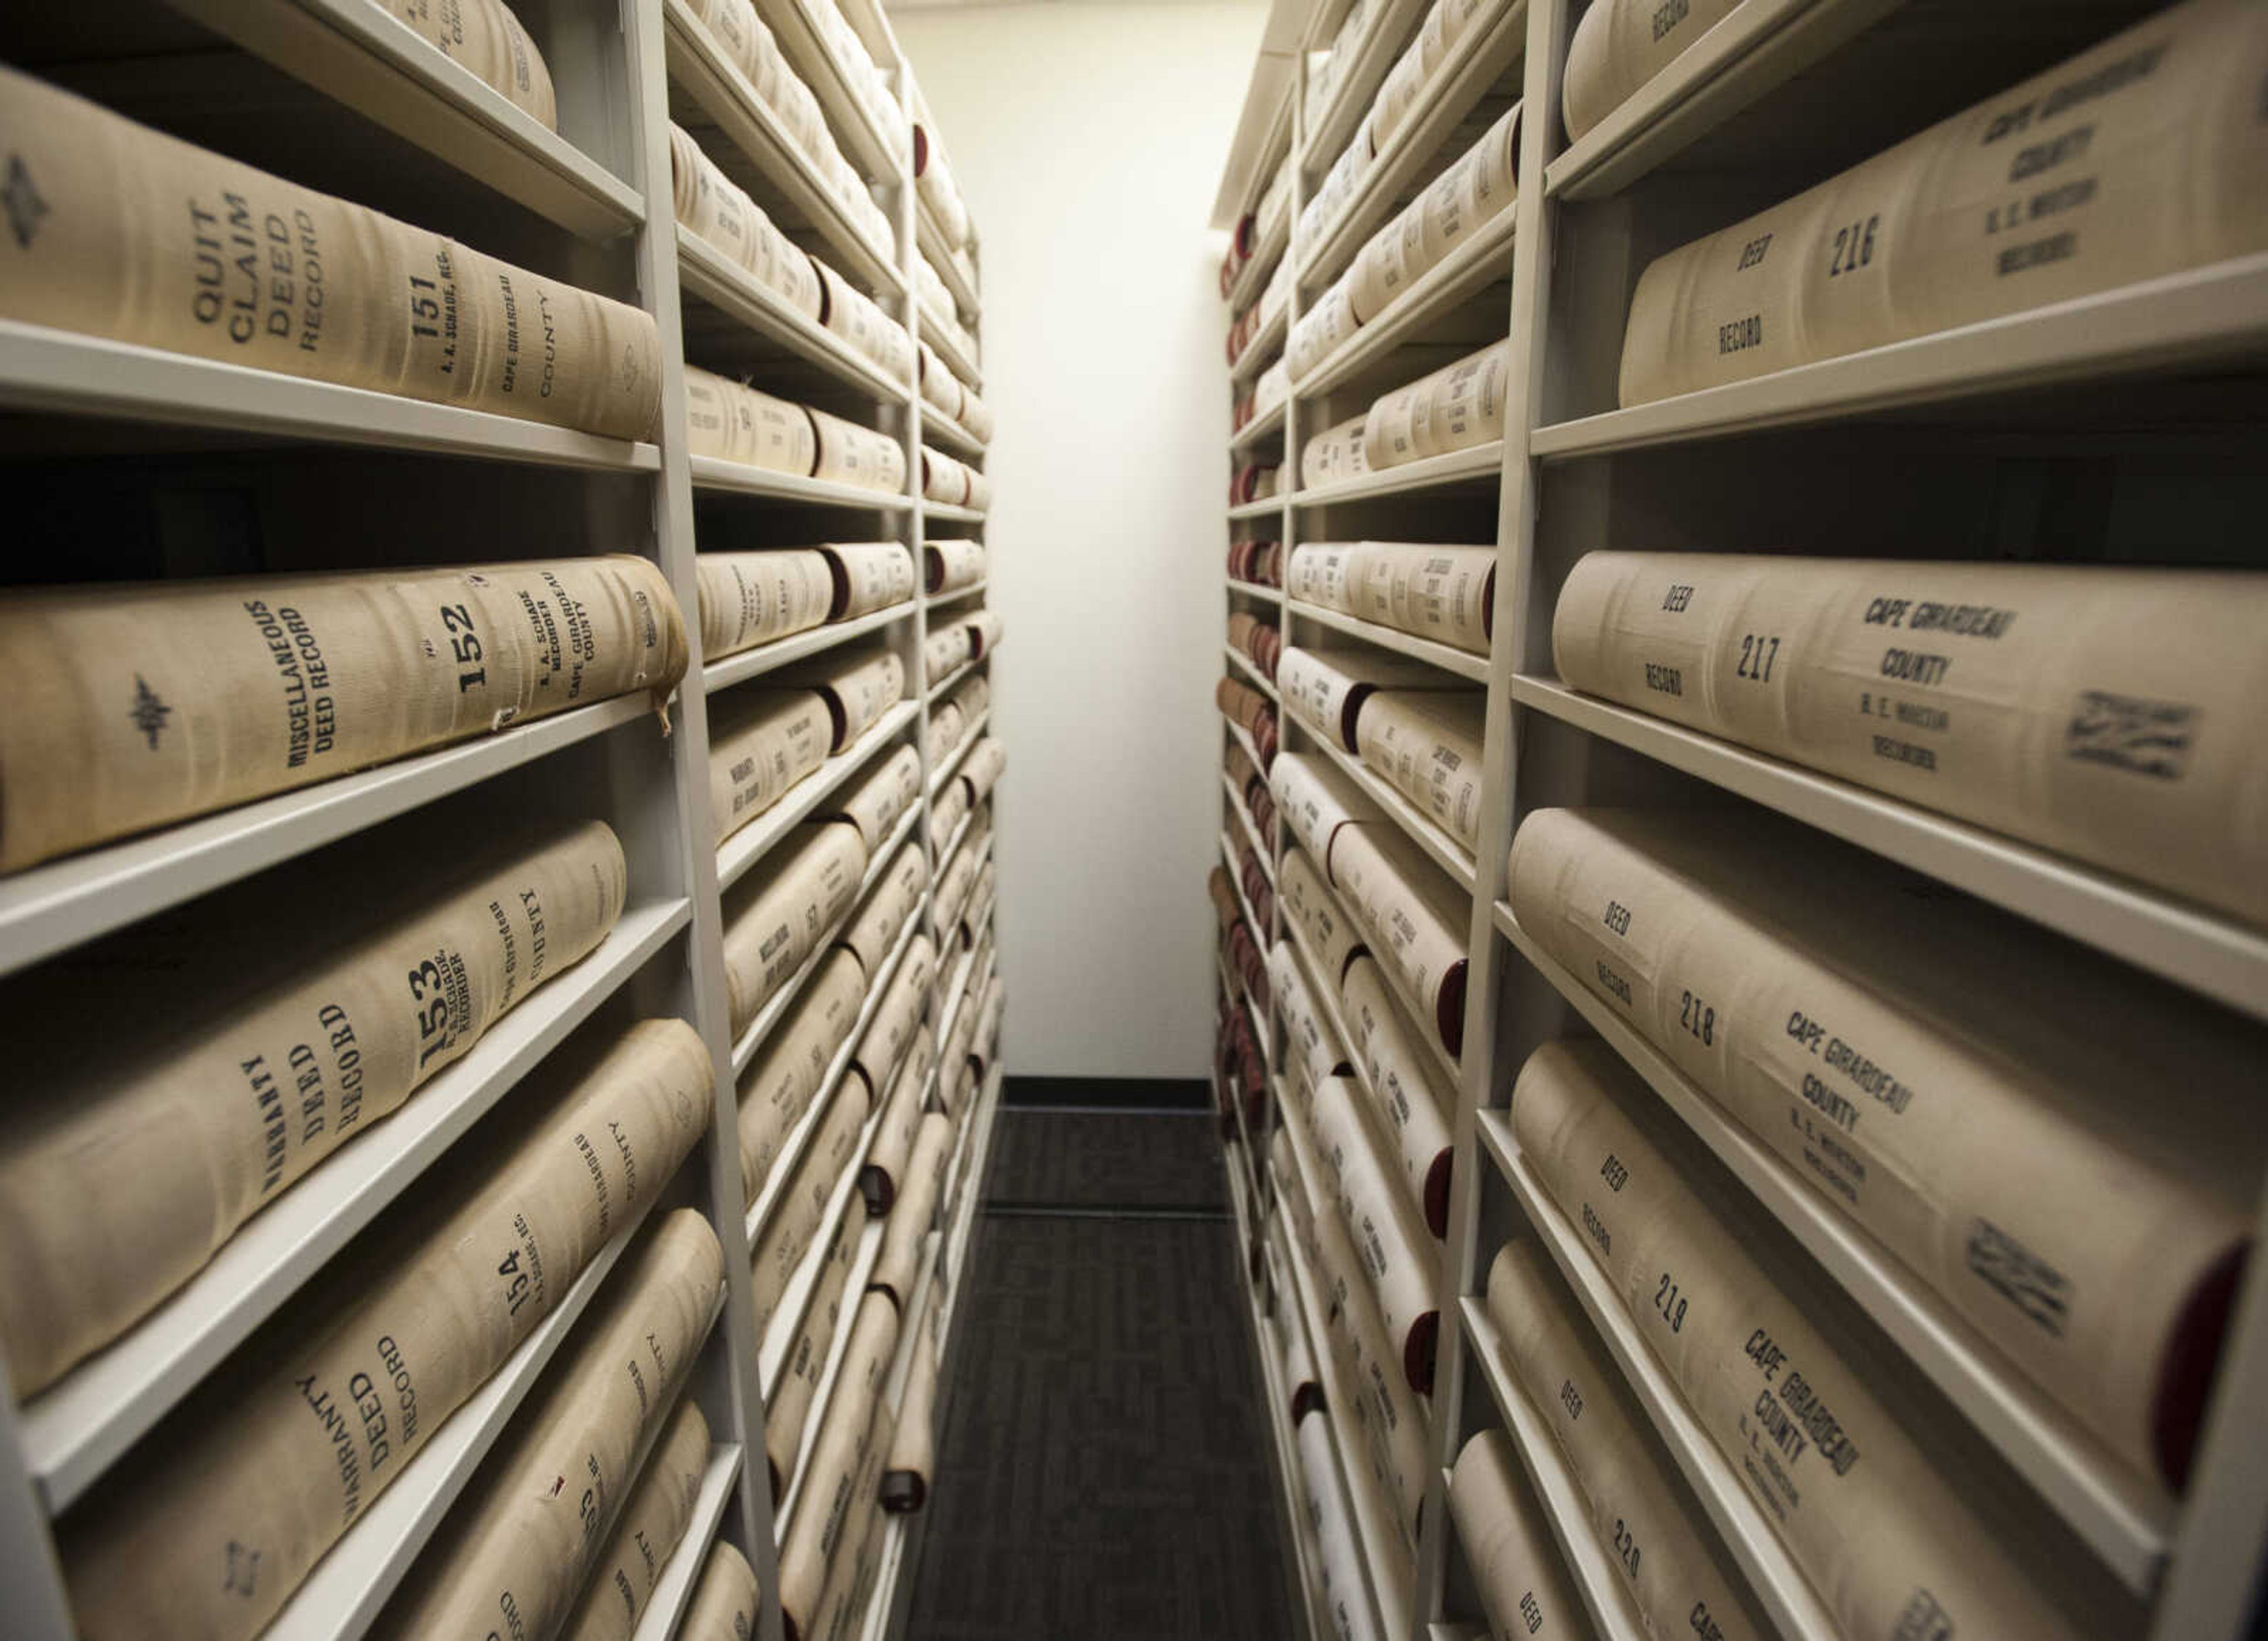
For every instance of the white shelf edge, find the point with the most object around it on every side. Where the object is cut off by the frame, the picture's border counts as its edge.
(1264, 347)
(811, 55)
(929, 238)
(941, 428)
(743, 849)
(79, 1426)
(680, 1574)
(60, 371)
(2187, 944)
(938, 600)
(1481, 461)
(1260, 267)
(60, 902)
(1260, 509)
(953, 760)
(716, 476)
(703, 270)
(1386, 31)
(2200, 316)
(1244, 664)
(742, 665)
(1447, 656)
(1262, 427)
(1253, 591)
(1470, 268)
(1245, 823)
(823, 1395)
(944, 686)
(2113, 1515)
(952, 514)
(948, 348)
(1243, 739)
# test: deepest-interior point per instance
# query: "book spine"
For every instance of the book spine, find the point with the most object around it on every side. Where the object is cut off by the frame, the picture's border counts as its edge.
(1320, 1054)
(1404, 907)
(748, 598)
(153, 241)
(952, 565)
(646, 1533)
(1428, 748)
(192, 1129)
(982, 768)
(790, 1405)
(2089, 1264)
(780, 1084)
(912, 1458)
(875, 929)
(849, 454)
(1619, 45)
(859, 688)
(489, 41)
(726, 1601)
(884, 1169)
(897, 1017)
(1325, 573)
(756, 755)
(1396, 1257)
(881, 800)
(869, 576)
(824, 1496)
(138, 706)
(1339, 1561)
(254, 1478)
(1443, 593)
(800, 1209)
(2108, 714)
(735, 423)
(1881, 1535)
(519, 1551)
(1522, 1584)
(771, 930)
(1413, 1106)
(1315, 799)
(1329, 933)
(910, 1219)
(1643, 1515)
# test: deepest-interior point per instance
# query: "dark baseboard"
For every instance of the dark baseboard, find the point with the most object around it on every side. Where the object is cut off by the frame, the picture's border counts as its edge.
(1115, 1093)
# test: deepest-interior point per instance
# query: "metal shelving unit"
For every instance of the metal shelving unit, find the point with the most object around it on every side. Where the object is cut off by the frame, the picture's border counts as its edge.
(594, 201)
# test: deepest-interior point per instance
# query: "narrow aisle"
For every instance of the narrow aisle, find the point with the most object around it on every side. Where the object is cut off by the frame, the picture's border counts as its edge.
(1102, 1468)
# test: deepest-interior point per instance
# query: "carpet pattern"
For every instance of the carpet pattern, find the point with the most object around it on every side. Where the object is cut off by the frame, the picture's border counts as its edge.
(1168, 1159)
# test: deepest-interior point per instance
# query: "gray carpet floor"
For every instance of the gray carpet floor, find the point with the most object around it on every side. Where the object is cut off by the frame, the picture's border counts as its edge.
(1104, 1470)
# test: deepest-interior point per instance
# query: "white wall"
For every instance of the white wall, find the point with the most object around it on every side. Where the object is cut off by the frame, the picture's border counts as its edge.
(1089, 141)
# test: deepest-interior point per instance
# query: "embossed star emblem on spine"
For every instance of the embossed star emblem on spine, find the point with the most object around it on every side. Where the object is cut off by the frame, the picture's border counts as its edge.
(150, 713)
(22, 202)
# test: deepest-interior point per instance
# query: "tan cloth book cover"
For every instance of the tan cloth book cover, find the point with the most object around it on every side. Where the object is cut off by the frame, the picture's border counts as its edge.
(645, 1535)
(1522, 1583)
(784, 1078)
(774, 923)
(724, 1602)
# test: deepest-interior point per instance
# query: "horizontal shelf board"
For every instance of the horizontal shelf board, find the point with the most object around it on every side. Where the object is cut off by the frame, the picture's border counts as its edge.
(1480, 62)
(948, 510)
(743, 665)
(716, 475)
(931, 238)
(2217, 315)
(1261, 935)
(745, 1046)
(1478, 262)
(941, 430)
(1244, 664)
(1245, 741)
(2181, 942)
(1264, 346)
(1447, 656)
(948, 347)
(714, 83)
(50, 907)
(367, 59)
(1779, 1586)
(706, 273)
(1482, 463)
(953, 843)
(808, 50)
(2112, 1512)
(61, 371)
(951, 767)
(783, 1167)
(1260, 509)
(1268, 424)
(854, 1289)
(945, 685)
(938, 600)
(1253, 591)
(1386, 29)
(1604, 1587)
(78, 1427)
(1252, 277)
(1444, 850)
(748, 845)
(680, 1574)
(1729, 67)
(1251, 831)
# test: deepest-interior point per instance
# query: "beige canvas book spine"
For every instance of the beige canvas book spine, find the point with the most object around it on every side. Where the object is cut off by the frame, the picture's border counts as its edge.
(1427, 744)
(912, 1458)
(982, 768)
(1325, 573)
(185, 1129)
(984, 1048)
(858, 687)
(880, 798)
(954, 885)
(772, 927)
(135, 706)
(1644, 1517)
(952, 565)
(1480, 186)
(864, 327)
(1346, 1595)
(1336, 454)
(800, 1209)
(869, 576)
(986, 630)
(875, 929)
(1619, 45)
(2138, 157)
(825, 1504)
(806, 1358)
(884, 1171)
(1324, 689)
(1888, 1543)
(1321, 328)
(910, 1221)
(489, 41)
(530, 1524)
(748, 598)
(1962, 1092)
(1331, 935)
(859, 456)
(149, 240)
(1410, 917)
(1315, 799)
(1447, 594)
(947, 651)
(713, 208)
(2111, 714)
(782, 1080)
(948, 808)
(1523, 1585)
(858, 1551)
(940, 389)
(1410, 1098)
(736, 424)
(261, 1477)
(1454, 408)
(646, 1533)
(1316, 1046)
(947, 726)
(762, 742)
(1399, 1261)
(897, 1017)
(724, 1602)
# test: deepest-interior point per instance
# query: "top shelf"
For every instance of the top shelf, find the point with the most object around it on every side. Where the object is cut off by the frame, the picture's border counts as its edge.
(812, 57)
(1354, 87)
